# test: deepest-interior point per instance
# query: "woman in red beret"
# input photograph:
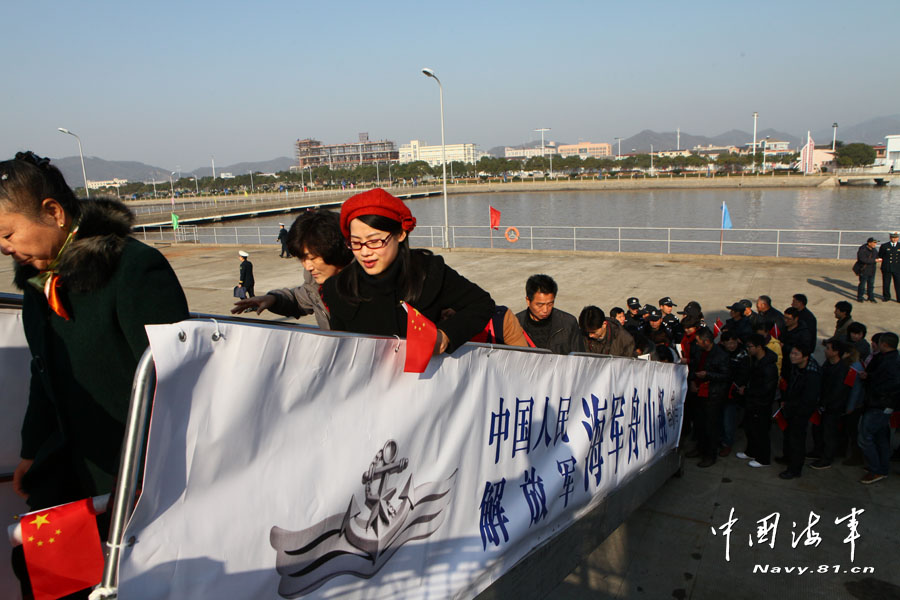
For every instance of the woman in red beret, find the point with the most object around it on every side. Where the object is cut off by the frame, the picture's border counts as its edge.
(365, 297)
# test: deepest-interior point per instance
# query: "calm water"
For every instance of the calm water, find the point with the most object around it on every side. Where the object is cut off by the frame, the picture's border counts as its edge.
(546, 220)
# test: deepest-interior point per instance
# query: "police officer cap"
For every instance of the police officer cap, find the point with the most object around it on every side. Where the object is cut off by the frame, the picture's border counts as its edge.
(655, 315)
(242, 253)
(667, 301)
(647, 309)
(746, 303)
(738, 306)
(633, 302)
(895, 234)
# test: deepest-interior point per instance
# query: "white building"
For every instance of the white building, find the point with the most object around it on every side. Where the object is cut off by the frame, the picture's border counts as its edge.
(418, 150)
(549, 148)
(891, 152)
(96, 185)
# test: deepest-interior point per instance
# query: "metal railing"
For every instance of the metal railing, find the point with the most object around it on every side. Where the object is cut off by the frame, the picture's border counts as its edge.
(788, 243)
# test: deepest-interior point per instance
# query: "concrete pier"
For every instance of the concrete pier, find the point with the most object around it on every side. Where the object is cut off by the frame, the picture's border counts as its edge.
(666, 549)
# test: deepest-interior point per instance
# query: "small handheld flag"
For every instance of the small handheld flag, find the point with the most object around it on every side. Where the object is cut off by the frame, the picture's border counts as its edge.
(62, 549)
(726, 218)
(174, 221)
(779, 418)
(816, 417)
(421, 335)
(850, 379)
(717, 328)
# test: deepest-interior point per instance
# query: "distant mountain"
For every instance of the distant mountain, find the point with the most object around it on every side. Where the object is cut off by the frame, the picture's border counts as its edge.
(99, 169)
(868, 132)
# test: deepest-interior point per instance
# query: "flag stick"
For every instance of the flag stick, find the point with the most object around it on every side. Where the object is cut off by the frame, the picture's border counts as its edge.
(722, 230)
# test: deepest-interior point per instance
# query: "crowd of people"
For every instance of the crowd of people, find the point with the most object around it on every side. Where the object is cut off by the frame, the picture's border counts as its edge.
(89, 288)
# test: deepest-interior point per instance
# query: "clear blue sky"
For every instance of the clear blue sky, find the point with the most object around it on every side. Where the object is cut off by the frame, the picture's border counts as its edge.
(172, 83)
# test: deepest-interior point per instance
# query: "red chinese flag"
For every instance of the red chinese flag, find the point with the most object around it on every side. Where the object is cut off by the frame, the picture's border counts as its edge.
(717, 328)
(782, 384)
(421, 334)
(895, 419)
(62, 549)
(850, 379)
(495, 218)
(816, 418)
(775, 332)
(779, 418)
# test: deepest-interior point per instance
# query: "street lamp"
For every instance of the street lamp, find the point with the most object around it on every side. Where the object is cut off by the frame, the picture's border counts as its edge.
(196, 185)
(619, 153)
(834, 136)
(87, 192)
(755, 116)
(430, 73)
(251, 181)
(765, 144)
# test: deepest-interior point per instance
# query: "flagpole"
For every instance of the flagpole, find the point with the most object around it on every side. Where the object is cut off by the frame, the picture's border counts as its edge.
(722, 229)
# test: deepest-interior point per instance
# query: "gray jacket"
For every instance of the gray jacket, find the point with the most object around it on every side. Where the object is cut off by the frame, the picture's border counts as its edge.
(303, 300)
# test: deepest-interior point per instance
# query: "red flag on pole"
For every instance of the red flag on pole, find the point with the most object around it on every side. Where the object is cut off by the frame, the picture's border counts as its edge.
(62, 549)
(717, 328)
(850, 379)
(775, 332)
(779, 418)
(495, 218)
(421, 335)
(782, 384)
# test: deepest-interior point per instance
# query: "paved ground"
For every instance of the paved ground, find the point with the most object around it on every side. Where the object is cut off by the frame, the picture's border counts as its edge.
(666, 549)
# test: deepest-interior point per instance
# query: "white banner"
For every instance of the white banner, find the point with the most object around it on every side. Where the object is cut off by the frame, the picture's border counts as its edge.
(285, 464)
(15, 374)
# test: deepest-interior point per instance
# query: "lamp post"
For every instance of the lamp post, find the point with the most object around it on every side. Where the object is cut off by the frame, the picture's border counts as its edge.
(755, 115)
(764, 145)
(196, 185)
(833, 136)
(430, 73)
(251, 181)
(87, 192)
(619, 153)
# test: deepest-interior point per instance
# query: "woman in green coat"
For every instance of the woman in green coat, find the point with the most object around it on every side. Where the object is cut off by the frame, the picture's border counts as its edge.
(88, 290)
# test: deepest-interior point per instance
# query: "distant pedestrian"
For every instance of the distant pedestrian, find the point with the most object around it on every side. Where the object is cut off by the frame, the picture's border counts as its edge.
(709, 380)
(832, 403)
(890, 266)
(604, 336)
(768, 316)
(760, 395)
(798, 403)
(799, 301)
(882, 378)
(283, 237)
(245, 277)
(866, 258)
(842, 312)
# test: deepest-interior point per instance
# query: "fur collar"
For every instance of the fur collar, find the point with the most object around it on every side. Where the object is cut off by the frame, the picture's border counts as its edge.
(93, 256)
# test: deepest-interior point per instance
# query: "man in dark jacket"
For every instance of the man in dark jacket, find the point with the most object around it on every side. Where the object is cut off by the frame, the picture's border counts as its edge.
(768, 316)
(799, 301)
(889, 253)
(634, 319)
(245, 276)
(548, 327)
(738, 375)
(866, 257)
(602, 335)
(795, 334)
(882, 377)
(669, 320)
(832, 401)
(710, 382)
(759, 396)
(797, 404)
(738, 323)
(842, 312)
(283, 237)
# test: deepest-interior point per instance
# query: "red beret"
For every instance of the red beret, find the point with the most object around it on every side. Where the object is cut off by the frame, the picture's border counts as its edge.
(376, 202)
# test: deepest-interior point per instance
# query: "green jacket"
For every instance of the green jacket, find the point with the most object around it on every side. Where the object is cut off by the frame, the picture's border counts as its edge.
(82, 369)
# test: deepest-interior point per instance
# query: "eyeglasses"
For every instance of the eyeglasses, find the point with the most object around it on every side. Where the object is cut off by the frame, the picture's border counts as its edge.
(371, 244)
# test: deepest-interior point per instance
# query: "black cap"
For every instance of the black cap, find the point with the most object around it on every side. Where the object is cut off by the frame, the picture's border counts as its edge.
(692, 308)
(870, 240)
(667, 301)
(633, 302)
(690, 321)
(738, 306)
(746, 303)
(654, 314)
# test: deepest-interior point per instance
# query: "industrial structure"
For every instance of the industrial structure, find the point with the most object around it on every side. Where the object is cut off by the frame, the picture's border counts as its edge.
(312, 153)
